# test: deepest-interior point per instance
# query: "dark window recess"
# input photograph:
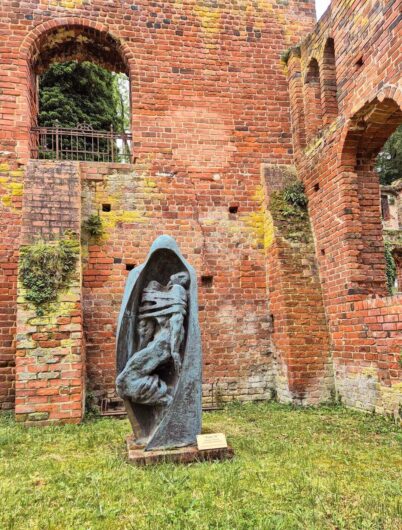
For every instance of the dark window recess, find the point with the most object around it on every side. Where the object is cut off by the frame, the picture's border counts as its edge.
(234, 208)
(130, 266)
(323, 251)
(316, 187)
(106, 207)
(207, 281)
(386, 214)
(359, 62)
(112, 407)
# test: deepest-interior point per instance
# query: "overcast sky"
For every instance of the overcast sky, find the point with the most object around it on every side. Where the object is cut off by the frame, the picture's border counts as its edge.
(321, 6)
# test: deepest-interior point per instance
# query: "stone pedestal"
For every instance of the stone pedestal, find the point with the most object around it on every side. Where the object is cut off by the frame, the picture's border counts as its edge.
(182, 455)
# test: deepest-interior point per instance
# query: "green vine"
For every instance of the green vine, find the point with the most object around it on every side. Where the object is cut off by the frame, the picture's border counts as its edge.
(390, 268)
(93, 226)
(45, 269)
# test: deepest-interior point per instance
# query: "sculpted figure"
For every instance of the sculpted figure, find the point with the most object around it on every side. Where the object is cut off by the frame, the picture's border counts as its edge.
(161, 333)
(159, 350)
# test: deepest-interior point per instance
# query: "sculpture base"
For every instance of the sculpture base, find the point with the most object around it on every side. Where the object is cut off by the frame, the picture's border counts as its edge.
(182, 455)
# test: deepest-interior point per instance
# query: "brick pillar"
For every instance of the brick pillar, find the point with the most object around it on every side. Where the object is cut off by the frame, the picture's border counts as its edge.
(50, 360)
(312, 100)
(300, 333)
(296, 99)
(11, 186)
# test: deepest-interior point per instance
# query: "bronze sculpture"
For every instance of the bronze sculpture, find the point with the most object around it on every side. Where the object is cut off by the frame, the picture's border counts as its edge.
(159, 350)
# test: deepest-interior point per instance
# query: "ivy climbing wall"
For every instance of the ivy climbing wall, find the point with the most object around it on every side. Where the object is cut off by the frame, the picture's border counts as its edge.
(300, 334)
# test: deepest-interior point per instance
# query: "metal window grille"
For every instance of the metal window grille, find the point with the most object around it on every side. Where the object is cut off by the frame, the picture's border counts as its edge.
(82, 143)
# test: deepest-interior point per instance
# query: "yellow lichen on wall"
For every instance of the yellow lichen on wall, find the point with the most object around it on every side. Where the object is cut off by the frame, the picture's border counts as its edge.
(10, 185)
(66, 303)
(68, 4)
(389, 400)
(260, 222)
(118, 214)
(111, 219)
(253, 13)
(320, 141)
(209, 17)
(126, 194)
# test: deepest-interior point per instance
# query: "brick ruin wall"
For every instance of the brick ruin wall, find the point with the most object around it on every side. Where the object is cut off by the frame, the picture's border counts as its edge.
(209, 105)
(233, 307)
(217, 127)
(347, 73)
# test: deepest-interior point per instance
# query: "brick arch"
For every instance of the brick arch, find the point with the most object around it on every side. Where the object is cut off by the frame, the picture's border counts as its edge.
(57, 40)
(328, 81)
(362, 139)
(30, 42)
(297, 98)
(376, 119)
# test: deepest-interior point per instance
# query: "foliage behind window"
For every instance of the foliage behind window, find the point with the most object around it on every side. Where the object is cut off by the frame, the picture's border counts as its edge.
(389, 161)
(74, 93)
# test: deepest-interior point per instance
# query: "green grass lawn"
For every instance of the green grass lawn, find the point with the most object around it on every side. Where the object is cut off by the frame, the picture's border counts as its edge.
(294, 469)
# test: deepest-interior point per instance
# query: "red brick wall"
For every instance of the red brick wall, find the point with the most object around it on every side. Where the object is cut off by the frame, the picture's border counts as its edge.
(223, 246)
(344, 201)
(300, 334)
(50, 355)
(209, 105)
(11, 178)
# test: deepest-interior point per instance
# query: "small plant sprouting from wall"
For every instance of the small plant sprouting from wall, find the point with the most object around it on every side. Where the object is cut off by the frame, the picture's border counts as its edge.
(93, 226)
(45, 269)
(390, 268)
(294, 195)
(289, 210)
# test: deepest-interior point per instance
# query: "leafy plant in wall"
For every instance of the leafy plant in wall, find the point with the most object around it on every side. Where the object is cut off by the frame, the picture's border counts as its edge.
(93, 226)
(47, 268)
(390, 268)
(288, 208)
(294, 195)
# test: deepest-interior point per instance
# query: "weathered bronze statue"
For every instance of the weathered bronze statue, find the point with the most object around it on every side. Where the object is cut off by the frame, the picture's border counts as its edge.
(159, 350)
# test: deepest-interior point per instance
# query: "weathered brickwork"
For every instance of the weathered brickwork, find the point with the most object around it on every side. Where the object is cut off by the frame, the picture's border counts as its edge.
(50, 354)
(209, 104)
(11, 186)
(222, 246)
(336, 163)
(300, 334)
(220, 124)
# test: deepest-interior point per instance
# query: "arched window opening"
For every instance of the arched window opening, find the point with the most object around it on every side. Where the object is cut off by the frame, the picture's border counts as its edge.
(380, 200)
(329, 87)
(80, 102)
(312, 100)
